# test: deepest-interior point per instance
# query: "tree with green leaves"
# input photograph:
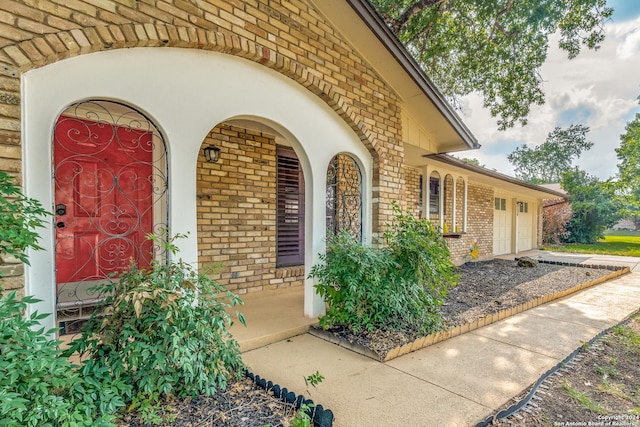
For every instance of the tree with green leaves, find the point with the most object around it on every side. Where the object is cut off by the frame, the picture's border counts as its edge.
(628, 178)
(547, 162)
(494, 47)
(472, 161)
(593, 204)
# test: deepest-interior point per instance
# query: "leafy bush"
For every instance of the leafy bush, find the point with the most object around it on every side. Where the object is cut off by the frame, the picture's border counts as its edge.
(163, 331)
(20, 216)
(422, 255)
(355, 281)
(394, 286)
(593, 204)
(37, 385)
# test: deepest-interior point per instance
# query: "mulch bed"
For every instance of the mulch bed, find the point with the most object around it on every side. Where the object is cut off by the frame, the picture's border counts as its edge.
(243, 404)
(484, 288)
(491, 286)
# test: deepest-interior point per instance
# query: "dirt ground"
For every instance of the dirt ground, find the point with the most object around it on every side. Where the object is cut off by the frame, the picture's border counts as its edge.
(601, 389)
(491, 286)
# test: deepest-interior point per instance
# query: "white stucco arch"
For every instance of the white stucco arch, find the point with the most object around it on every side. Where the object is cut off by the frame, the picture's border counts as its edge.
(185, 93)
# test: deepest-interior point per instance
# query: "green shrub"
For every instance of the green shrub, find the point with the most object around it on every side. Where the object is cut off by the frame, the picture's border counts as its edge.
(396, 286)
(423, 257)
(593, 204)
(20, 216)
(163, 331)
(354, 280)
(37, 385)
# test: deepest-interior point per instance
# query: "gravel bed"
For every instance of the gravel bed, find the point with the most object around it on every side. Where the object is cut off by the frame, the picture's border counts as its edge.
(490, 286)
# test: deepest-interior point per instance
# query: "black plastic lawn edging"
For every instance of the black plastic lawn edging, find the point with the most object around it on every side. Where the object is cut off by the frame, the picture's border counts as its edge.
(575, 264)
(527, 399)
(321, 417)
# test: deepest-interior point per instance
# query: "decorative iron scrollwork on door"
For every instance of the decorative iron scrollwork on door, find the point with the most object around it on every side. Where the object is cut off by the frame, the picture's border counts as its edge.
(344, 196)
(110, 192)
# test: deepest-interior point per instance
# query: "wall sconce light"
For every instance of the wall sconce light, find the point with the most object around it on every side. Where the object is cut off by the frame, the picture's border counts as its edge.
(212, 154)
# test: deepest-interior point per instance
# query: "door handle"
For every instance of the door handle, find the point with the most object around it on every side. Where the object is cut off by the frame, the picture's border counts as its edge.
(60, 224)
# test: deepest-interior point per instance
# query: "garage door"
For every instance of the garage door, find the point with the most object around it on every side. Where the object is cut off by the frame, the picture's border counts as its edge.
(525, 226)
(501, 226)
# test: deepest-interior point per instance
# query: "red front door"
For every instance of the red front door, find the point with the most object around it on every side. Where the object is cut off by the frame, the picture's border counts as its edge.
(103, 203)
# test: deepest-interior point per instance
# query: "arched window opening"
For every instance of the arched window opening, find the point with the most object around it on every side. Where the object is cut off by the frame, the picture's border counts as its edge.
(110, 185)
(434, 196)
(344, 196)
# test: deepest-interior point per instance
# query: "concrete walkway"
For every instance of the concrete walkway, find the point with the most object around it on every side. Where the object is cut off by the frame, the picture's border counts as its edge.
(457, 382)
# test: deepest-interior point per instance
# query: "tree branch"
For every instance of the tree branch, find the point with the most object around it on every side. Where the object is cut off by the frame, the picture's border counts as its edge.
(498, 26)
(419, 6)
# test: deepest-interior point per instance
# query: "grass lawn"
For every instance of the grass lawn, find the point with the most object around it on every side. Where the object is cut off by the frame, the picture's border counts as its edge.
(620, 243)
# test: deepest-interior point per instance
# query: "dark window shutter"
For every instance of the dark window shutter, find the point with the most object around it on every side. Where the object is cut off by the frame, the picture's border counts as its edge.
(290, 210)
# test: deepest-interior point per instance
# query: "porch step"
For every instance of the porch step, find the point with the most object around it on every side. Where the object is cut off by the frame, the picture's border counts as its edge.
(271, 317)
(270, 338)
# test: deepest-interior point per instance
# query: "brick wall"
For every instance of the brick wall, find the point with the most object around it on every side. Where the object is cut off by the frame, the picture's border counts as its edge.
(288, 36)
(459, 225)
(11, 271)
(479, 214)
(411, 193)
(556, 213)
(479, 225)
(236, 204)
(539, 225)
(448, 203)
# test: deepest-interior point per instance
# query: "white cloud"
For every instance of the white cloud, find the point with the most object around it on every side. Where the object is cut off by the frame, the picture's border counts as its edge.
(628, 34)
(598, 89)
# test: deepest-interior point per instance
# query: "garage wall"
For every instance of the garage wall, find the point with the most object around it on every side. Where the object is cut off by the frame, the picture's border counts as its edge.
(516, 224)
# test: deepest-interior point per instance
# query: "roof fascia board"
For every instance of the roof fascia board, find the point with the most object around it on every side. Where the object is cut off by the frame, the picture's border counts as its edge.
(493, 174)
(372, 19)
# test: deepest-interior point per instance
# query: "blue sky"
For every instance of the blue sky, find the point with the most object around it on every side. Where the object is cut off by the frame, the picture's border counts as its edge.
(598, 89)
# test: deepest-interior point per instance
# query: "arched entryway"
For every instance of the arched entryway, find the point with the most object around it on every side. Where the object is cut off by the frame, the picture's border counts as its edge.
(110, 185)
(251, 203)
(207, 89)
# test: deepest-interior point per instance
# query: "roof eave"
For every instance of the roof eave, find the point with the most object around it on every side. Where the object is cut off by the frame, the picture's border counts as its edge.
(493, 174)
(374, 21)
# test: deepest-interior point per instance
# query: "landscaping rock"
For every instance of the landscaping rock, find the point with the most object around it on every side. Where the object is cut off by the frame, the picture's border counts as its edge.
(527, 262)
